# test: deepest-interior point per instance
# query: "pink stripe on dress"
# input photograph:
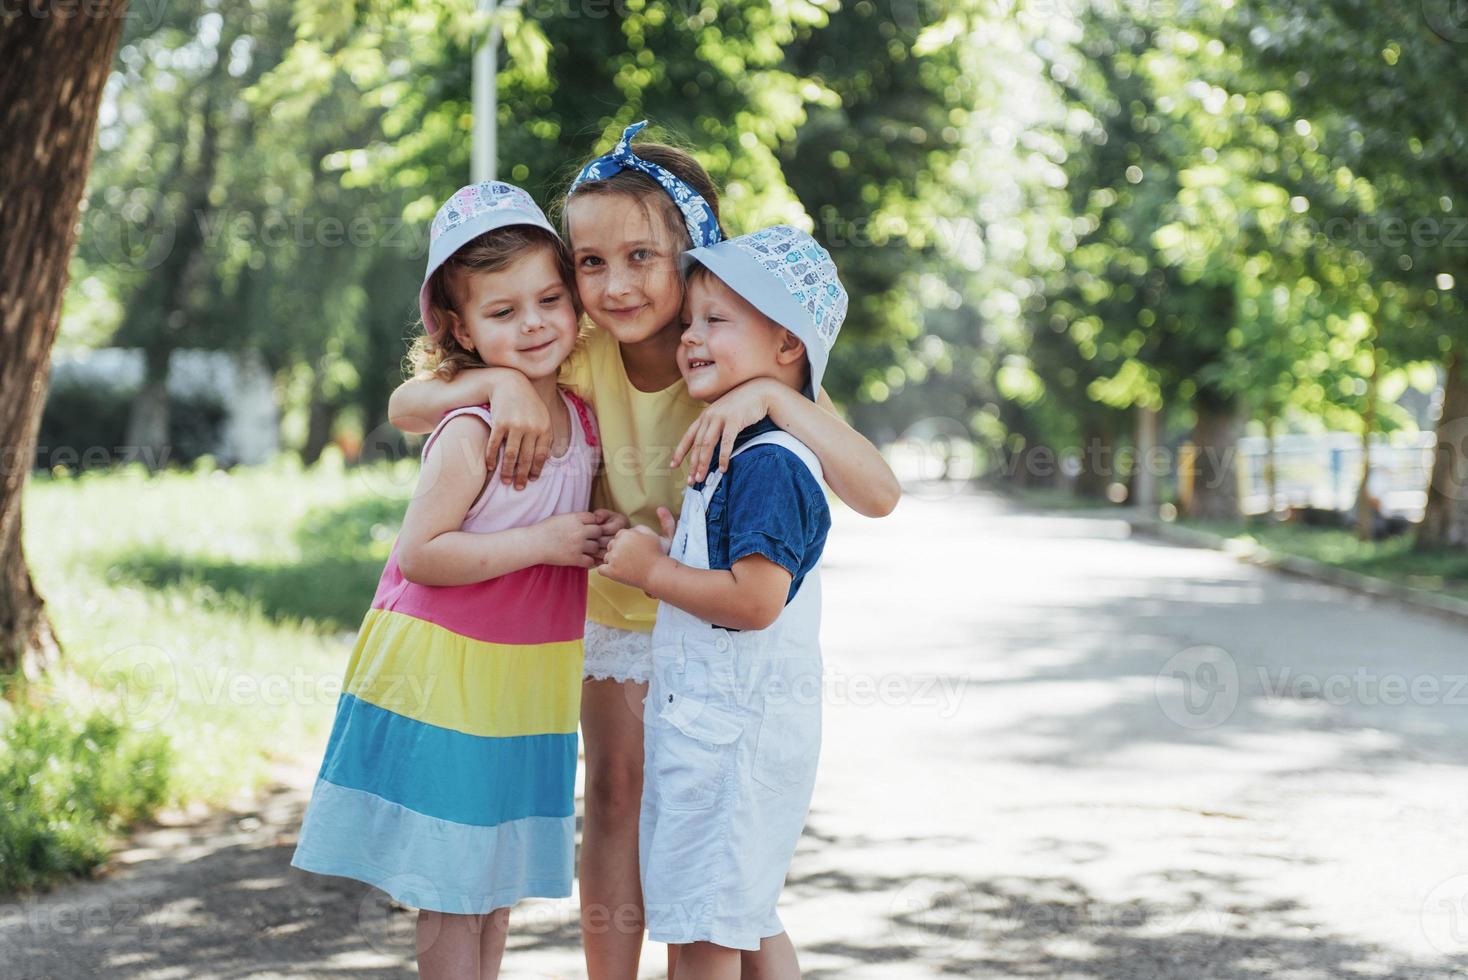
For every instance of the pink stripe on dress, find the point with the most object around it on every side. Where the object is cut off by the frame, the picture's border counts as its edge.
(540, 604)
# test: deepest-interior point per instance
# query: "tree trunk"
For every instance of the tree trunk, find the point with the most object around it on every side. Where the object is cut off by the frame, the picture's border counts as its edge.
(1144, 480)
(161, 316)
(1271, 467)
(1215, 485)
(320, 422)
(1097, 471)
(1445, 521)
(148, 419)
(1365, 506)
(53, 65)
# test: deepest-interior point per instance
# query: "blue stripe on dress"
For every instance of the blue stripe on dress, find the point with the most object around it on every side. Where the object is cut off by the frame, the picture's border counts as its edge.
(468, 779)
(434, 864)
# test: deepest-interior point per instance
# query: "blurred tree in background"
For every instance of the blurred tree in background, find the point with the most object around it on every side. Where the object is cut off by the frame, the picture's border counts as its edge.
(1377, 84)
(1108, 246)
(1059, 223)
(267, 175)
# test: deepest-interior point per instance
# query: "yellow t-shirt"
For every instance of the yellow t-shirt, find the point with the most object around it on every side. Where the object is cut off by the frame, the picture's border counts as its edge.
(639, 431)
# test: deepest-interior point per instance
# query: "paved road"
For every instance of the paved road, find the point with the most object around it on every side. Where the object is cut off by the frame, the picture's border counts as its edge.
(1051, 751)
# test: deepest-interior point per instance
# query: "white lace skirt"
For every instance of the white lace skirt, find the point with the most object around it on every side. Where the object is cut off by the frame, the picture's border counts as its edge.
(618, 655)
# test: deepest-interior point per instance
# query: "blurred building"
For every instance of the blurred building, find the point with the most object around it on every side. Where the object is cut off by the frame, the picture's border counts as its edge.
(222, 404)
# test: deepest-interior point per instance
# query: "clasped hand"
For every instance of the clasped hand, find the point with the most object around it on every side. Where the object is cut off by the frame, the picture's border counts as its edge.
(635, 550)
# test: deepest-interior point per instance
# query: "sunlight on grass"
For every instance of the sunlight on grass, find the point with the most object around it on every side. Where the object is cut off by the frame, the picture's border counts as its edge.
(215, 608)
(1393, 559)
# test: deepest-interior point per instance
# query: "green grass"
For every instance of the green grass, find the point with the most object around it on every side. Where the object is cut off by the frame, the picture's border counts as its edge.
(71, 777)
(206, 618)
(1444, 571)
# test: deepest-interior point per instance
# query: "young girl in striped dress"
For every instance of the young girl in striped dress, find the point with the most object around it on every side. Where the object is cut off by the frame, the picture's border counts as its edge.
(449, 775)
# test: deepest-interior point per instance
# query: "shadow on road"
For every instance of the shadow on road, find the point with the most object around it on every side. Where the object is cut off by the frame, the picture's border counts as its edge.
(1201, 925)
(1081, 812)
(220, 899)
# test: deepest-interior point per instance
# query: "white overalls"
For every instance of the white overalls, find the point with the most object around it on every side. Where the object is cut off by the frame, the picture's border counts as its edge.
(732, 733)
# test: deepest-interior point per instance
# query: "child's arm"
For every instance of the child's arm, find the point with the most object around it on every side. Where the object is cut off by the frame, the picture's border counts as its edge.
(748, 596)
(433, 551)
(853, 467)
(522, 426)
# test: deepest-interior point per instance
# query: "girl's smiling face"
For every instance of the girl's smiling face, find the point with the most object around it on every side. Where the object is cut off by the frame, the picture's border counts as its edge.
(518, 317)
(626, 262)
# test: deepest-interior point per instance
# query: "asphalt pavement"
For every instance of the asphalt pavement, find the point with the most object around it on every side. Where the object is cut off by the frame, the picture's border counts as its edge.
(1051, 750)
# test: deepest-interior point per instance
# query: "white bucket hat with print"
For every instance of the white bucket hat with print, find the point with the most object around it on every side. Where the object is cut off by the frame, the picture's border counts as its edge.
(469, 213)
(786, 275)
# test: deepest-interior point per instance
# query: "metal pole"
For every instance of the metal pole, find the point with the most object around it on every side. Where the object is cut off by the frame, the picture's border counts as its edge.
(486, 67)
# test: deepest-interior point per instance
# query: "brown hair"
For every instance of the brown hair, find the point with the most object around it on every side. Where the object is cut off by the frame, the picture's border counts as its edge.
(441, 354)
(698, 271)
(636, 184)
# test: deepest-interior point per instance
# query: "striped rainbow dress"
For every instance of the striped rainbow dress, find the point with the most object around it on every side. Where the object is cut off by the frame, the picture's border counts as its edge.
(449, 774)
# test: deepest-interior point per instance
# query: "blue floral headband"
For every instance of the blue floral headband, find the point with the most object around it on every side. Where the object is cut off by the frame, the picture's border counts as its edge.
(703, 227)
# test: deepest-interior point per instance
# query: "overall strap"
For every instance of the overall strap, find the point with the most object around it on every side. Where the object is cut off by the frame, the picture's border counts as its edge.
(786, 440)
(777, 438)
(805, 605)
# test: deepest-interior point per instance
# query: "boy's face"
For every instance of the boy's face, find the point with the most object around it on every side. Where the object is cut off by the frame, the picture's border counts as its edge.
(726, 341)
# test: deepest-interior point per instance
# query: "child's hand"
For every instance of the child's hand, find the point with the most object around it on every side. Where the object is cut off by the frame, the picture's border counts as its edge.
(570, 539)
(712, 434)
(521, 425)
(631, 556)
(610, 522)
(670, 527)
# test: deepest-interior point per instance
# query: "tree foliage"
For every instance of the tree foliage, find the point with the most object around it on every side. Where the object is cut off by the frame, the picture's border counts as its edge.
(1048, 216)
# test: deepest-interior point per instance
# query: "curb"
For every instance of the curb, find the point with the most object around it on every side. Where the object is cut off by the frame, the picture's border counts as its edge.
(1419, 599)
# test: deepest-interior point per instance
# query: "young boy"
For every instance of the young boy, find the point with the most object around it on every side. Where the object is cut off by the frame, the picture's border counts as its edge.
(733, 722)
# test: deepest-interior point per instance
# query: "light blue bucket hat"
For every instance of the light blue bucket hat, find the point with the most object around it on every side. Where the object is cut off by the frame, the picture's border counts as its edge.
(786, 275)
(469, 213)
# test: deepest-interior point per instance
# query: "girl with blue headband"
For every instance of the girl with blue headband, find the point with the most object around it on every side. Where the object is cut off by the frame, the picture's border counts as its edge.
(628, 216)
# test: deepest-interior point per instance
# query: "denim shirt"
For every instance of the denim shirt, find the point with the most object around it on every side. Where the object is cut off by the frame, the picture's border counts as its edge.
(768, 504)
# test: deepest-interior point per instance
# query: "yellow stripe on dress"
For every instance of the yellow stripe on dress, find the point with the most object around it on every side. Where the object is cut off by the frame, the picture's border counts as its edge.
(422, 671)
